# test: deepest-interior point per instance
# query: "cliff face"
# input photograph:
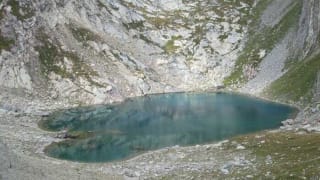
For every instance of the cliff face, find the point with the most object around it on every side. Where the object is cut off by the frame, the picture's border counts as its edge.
(97, 51)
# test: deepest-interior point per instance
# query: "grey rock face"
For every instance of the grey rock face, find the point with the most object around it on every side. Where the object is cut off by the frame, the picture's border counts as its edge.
(92, 52)
(76, 50)
(309, 28)
(275, 12)
(299, 43)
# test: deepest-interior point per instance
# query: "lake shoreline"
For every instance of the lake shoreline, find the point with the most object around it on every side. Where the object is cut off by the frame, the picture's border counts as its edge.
(134, 125)
(25, 140)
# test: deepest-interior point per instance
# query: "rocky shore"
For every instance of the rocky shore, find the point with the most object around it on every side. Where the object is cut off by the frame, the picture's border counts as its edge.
(22, 157)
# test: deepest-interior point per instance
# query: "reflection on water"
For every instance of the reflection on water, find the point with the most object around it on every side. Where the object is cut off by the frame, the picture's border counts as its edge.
(152, 122)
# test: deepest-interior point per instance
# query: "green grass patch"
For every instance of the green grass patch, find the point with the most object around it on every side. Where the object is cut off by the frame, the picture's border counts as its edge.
(298, 82)
(170, 47)
(272, 155)
(264, 40)
(159, 22)
(292, 155)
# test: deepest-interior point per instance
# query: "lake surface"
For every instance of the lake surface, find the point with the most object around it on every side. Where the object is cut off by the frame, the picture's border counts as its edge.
(116, 132)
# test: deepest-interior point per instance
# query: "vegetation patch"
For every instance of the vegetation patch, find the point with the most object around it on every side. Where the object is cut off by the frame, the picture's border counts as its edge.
(297, 82)
(101, 5)
(83, 34)
(21, 12)
(159, 22)
(1, 13)
(51, 58)
(198, 34)
(284, 155)
(146, 39)
(170, 46)
(264, 40)
(5, 43)
(266, 155)
(134, 25)
(223, 37)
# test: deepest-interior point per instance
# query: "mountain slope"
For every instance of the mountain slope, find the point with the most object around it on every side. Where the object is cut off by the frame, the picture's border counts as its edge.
(60, 53)
(100, 51)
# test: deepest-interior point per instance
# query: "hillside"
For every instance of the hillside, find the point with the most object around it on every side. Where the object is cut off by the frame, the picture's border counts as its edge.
(96, 52)
(58, 54)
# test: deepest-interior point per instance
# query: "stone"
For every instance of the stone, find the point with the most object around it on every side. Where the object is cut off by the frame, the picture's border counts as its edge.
(249, 176)
(268, 159)
(287, 122)
(240, 147)
(109, 88)
(62, 135)
(225, 168)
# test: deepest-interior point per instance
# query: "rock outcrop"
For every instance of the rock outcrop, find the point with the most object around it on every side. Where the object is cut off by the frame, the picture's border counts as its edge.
(104, 51)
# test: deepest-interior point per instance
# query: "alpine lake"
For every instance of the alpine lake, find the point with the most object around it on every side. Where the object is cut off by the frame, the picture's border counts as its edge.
(106, 133)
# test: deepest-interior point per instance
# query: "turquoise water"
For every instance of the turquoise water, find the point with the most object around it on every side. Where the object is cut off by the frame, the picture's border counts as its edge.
(115, 132)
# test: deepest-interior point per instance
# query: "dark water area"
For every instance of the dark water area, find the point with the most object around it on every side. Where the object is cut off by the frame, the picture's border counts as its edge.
(115, 132)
